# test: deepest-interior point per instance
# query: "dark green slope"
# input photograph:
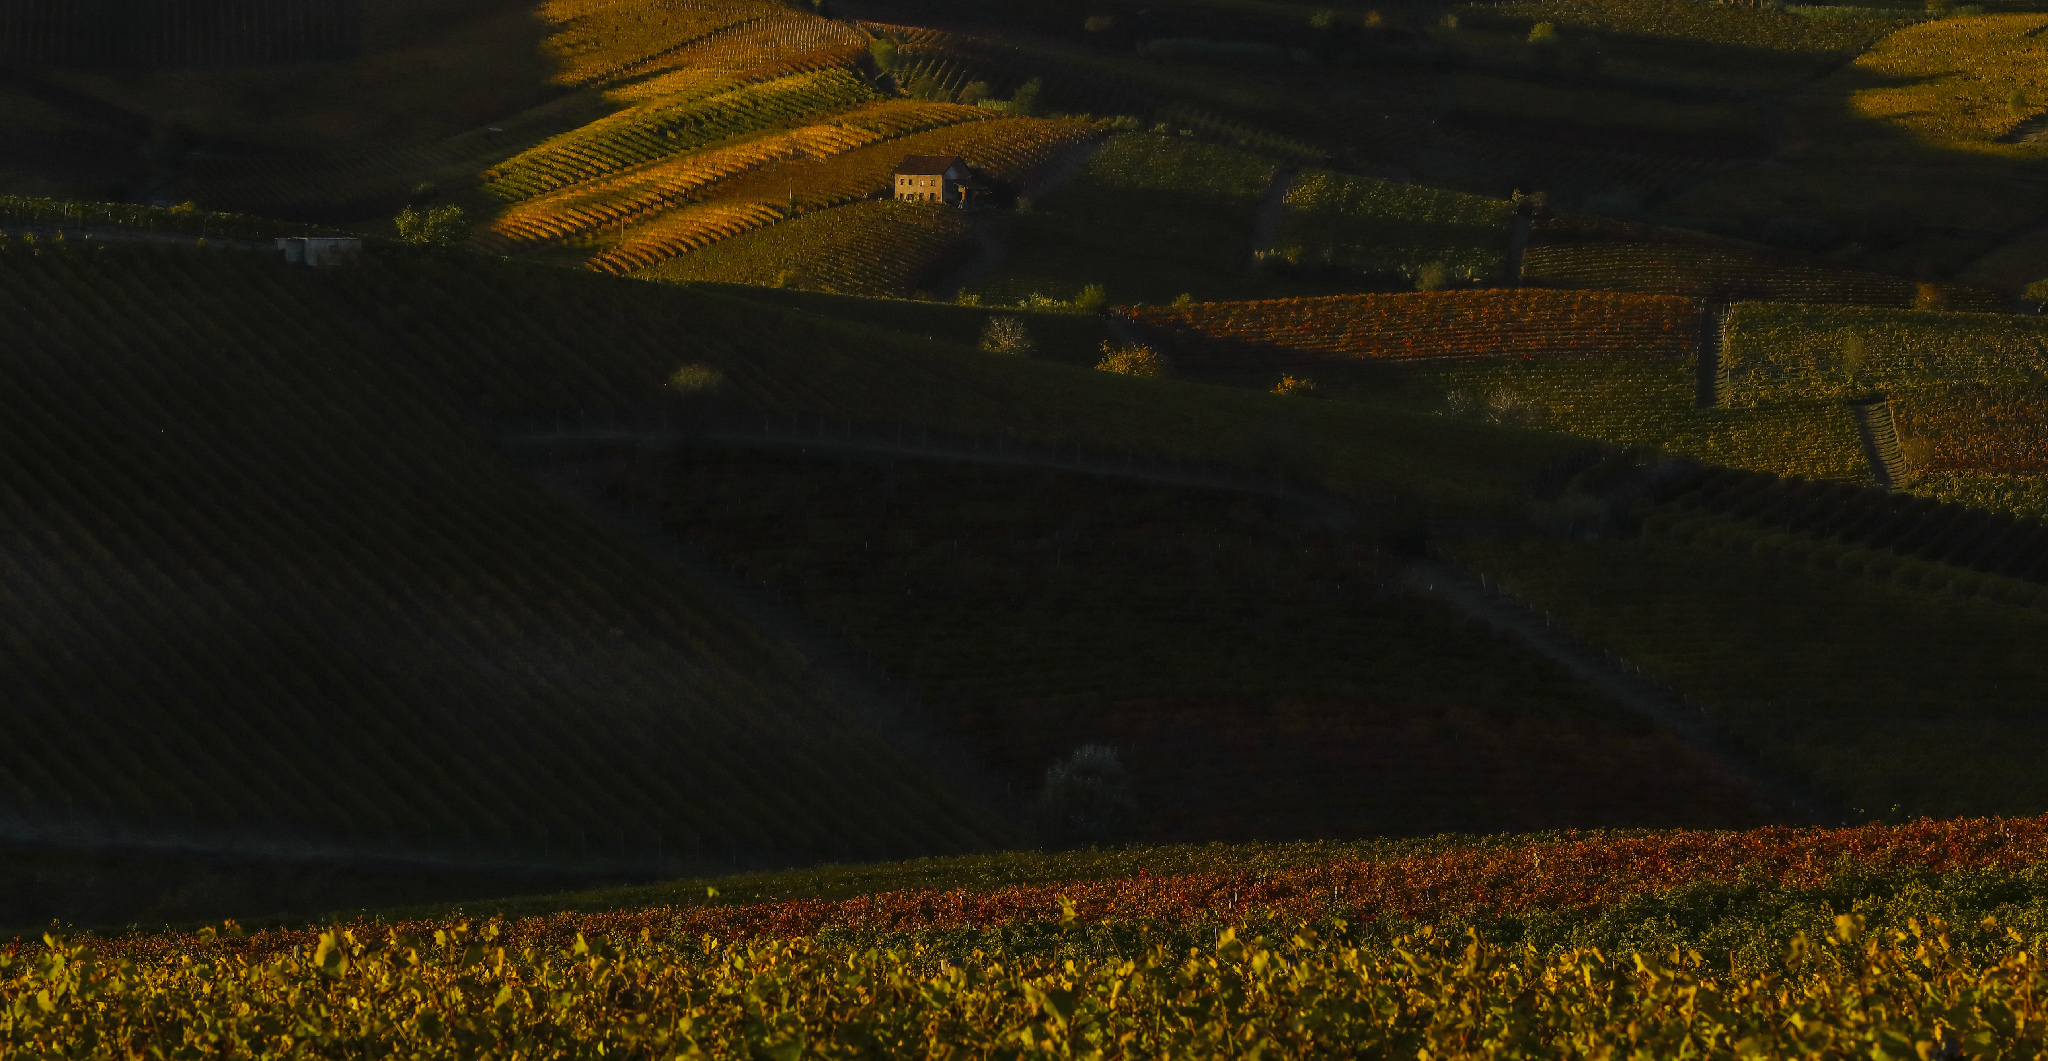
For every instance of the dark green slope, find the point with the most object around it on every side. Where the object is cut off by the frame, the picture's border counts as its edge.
(260, 582)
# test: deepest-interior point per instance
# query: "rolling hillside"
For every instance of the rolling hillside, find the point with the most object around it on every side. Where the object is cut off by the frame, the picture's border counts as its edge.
(270, 588)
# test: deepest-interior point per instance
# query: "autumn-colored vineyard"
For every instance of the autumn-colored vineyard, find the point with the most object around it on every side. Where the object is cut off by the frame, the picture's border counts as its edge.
(596, 40)
(1954, 80)
(1527, 323)
(667, 184)
(684, 121)
(874, 248)
(1774, 350)
(1006, 150)
(1995, 429)
(1462, 880)
(1707, 272)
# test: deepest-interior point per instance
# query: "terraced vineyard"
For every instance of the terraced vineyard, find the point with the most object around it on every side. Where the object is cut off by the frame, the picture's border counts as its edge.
(660, 186)
(1007, 151)
(264, 587)
(1954, 82)
(1724, 46)
(598, 40)
(671, 126)
(1724, 275)
(1965, 388)
(1775, 350)
(785, 41)
(882, 249)
(1378, 227)
(2000, 430)
(1433, 324)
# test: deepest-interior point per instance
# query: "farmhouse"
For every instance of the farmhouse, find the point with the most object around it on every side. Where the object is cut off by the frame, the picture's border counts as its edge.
(937, 178)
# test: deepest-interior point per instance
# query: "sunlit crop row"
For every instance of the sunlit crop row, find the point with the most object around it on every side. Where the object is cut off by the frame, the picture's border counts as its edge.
(661, 186)
(671, 127)
(1303, 991)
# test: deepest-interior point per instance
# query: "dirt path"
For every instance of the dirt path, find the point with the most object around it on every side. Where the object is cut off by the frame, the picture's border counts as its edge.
(1619, 684)
(1338, 513)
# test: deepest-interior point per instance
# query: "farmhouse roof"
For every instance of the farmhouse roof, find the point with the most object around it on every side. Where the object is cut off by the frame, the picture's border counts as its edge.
(929, 165)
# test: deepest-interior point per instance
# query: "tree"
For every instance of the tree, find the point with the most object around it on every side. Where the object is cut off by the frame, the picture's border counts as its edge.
(1007, 335)
(1086, 798)
(1025, 101)
(884, 53)
(1091, 299)
(1435, 276)
(441, 226)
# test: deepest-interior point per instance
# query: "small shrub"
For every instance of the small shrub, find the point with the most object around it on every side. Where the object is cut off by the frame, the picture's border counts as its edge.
(1291, 385)
(1136, 360)
(1543, 33)
(1007, 336)
(1504, 406)
(696, 379)
(1436, 276)
(1086, 799)
(1091, 299)
(440, 226)
(1185, 299)
(974, 93)
(2037, 291)
(1930, 298)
